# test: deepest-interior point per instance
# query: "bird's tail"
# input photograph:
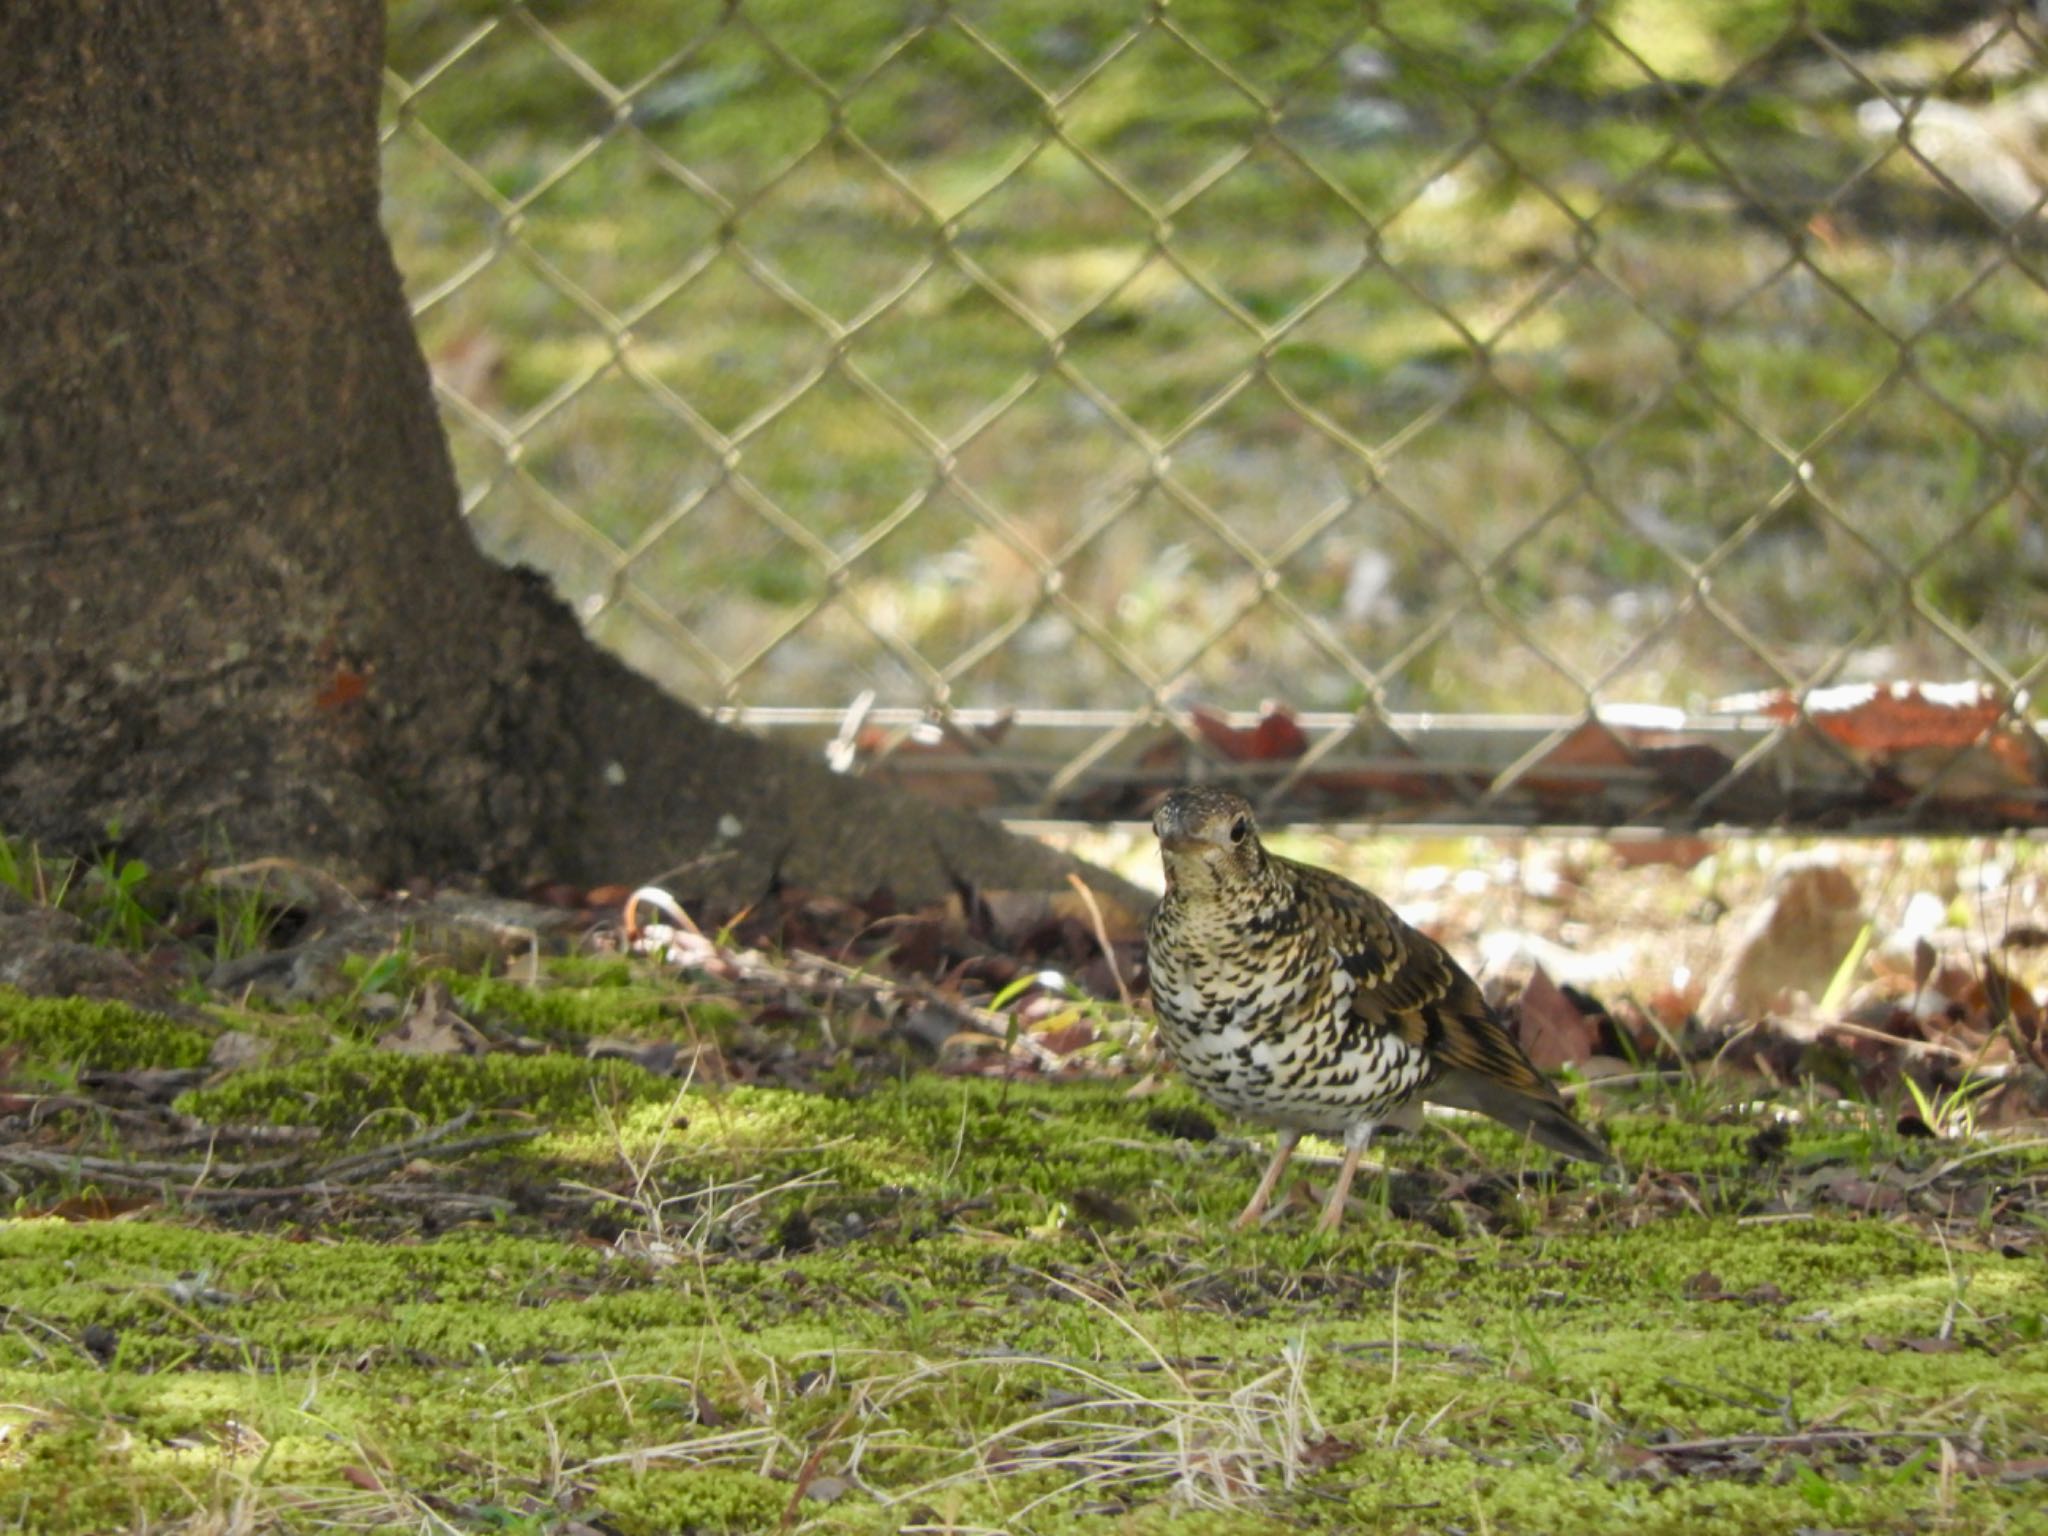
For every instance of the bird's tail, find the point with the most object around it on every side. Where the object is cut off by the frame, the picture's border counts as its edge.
(1544, 1120)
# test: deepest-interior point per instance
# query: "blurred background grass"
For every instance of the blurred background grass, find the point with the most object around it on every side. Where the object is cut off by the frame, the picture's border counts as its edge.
(1478, 321)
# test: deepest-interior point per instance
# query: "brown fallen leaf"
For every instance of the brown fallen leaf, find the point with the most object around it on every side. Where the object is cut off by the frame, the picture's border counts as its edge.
(1959, 738)
(1580, 765)
(1276, 737)
(1552, 1029)
(1065, 1038)
(432, 1027)
(94, 1206)
(1327, 1452)
(1641, 852)
(1928, 1344)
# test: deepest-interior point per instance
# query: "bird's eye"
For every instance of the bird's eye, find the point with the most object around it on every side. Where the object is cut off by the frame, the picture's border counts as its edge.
(1240, 829)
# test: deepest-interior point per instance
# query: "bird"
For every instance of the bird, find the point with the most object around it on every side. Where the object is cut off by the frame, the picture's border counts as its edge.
(1290, 995)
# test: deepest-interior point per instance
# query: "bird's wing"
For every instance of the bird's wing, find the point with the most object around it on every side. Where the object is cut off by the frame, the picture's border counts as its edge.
(1407, 983)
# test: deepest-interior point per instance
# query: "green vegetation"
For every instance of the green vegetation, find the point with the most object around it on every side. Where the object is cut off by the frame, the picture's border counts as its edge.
(968, 1304)
(1494, 294)
(74, 1034)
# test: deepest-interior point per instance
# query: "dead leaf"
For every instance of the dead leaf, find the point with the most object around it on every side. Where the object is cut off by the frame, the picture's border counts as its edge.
(1641, 852)
(1590, 749)
(1876, 718)
(1553, 1030)
(347, 686)
(432, 1027)
(1959, 737)
(1067, 1036)
(94, 1206)
(1327, 1452)
(1276, 737)
(1930, 1345)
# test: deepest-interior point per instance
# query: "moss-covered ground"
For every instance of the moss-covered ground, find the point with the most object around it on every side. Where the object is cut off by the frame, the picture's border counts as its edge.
(358, 1289)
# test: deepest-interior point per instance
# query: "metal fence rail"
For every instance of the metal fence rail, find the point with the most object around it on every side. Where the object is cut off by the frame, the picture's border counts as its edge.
(1481, 413)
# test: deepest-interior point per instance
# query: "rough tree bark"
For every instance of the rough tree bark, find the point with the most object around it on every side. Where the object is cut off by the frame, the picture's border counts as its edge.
(238, 605)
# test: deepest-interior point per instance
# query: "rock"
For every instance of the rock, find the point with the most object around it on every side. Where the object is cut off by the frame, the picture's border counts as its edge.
(1792, 943)
(238, 1048)
(1992, 151)
(43, 953)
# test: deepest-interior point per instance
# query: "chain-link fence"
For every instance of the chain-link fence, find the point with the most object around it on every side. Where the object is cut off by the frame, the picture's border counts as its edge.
(1018, 397)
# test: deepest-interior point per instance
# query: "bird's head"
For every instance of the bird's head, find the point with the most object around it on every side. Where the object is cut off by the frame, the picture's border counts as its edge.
(1208, 839)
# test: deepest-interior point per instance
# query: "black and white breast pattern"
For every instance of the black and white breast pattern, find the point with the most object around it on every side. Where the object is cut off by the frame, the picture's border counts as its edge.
(1273, 1037)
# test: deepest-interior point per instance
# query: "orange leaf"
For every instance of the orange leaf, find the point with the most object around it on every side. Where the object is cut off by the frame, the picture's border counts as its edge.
(1591, 746)
(346, 687)
(1876, 718)
(1276, 737)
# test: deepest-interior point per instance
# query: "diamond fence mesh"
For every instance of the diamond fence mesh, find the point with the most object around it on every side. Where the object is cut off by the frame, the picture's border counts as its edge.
(1483, 412)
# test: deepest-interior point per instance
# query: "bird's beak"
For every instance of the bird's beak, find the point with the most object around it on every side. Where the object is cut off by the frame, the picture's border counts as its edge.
(1178, 834)
(1169, 825)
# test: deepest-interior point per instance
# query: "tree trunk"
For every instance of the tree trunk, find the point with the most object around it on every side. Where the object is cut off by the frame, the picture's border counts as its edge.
(239, 609)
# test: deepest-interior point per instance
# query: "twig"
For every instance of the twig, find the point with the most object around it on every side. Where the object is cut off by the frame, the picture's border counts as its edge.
(396, 1194)
(146, 1172)
(1116, 972)
(1806, 1439)
(336, 1176)
(348, 1170)
(36, 1103)
(1974, 1157)
(400, 1149)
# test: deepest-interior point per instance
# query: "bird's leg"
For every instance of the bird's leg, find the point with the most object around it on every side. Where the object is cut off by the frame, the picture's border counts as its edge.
(1356, 1140)
(1283, 1149)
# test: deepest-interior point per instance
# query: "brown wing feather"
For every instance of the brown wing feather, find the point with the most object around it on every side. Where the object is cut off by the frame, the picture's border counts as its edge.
(1398, 970)
(1409, 982)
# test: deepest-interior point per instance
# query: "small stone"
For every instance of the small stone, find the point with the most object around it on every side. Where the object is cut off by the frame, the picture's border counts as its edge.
(1792, 944)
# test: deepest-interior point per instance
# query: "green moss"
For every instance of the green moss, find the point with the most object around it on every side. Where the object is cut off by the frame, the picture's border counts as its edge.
(83, 1033)
(612, 1004)
(957, 1272)
(340, 1090)
(707, 1499)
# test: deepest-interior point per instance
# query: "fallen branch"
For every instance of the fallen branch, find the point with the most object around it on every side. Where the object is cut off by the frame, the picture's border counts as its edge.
(218, 1181)
(1797, 1440)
